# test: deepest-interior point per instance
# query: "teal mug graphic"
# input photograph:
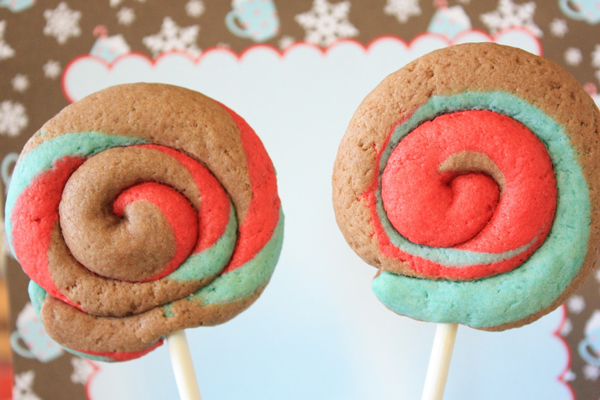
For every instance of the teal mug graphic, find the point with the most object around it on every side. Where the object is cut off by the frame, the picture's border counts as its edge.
(30, 340)
(589, 347)
(253, 19)
(17, 5)
(6, 167)
(584, 10)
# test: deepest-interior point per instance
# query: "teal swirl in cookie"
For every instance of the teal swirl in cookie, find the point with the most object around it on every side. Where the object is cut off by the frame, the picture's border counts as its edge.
(554, 250)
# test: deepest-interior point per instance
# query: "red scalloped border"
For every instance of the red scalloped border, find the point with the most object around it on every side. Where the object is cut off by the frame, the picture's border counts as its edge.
(560, 338)
(88, 383)
(282, 53)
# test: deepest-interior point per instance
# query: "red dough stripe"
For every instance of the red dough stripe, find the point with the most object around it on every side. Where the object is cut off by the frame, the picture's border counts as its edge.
(175, 208)
(123, 356)
(462, 210)
(36, 213)
(34, 217)
(263, 213)
(215, 205)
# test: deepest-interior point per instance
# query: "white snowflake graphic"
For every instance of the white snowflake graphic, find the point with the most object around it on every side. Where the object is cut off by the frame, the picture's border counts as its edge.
(286, 41)
(20, 83)
(126, 16)
(5, 50)
(558, 27)
(13, 118)
(52, 69)
(567, 328)
(173, 37)
(591, 372)
(114, 3)
(326, 22)
(194, 8)
(509, 15)
(82, 370)
(569, 376)
(22, 390)
(596, 63)
(402, 9)
(573, 56)
(576, 304)
(62, 23)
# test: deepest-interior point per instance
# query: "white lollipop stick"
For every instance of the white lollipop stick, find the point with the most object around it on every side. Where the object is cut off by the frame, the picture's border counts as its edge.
(183, 366)
(439, 362)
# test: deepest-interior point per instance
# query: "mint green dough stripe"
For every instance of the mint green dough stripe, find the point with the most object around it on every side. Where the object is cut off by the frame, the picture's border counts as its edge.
(212, 260)
(40, 159)
(543, 126)
(37, 295)
(247, 279)
(88, 356)
(535, 284)
(168, 310)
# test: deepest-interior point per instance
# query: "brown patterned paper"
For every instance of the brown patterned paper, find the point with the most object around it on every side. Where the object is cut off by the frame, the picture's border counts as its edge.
(38, 39)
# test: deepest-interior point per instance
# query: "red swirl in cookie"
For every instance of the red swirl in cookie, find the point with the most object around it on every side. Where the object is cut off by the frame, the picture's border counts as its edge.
(151, 213)
(476, 181)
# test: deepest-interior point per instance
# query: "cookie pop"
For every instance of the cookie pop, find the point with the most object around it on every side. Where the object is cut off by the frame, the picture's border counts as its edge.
(469, 179)
(139, 211)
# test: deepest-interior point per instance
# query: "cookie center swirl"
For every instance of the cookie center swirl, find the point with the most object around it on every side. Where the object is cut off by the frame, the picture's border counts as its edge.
(473, 180)
(130, 214)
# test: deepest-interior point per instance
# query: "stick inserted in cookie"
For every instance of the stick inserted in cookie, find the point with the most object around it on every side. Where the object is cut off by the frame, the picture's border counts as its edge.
(439, 362)
(183, 366)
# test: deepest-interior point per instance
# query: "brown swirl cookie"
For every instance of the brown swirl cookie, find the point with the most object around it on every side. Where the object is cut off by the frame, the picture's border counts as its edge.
(469, 178)
(140, 210)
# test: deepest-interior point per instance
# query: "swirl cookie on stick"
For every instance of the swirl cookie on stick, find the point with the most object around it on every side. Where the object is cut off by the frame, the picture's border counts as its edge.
(142, 210)
(469, 178)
